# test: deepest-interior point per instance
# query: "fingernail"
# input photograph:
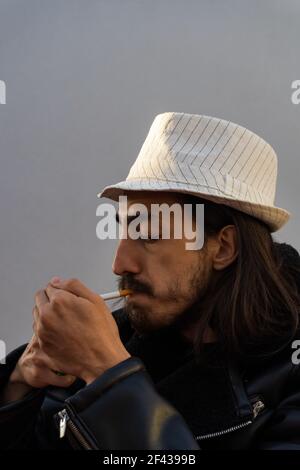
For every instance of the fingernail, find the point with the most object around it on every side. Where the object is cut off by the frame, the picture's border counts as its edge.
(55, 280)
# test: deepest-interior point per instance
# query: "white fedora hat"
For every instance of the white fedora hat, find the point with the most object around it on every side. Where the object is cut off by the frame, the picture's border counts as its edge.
(207, 157)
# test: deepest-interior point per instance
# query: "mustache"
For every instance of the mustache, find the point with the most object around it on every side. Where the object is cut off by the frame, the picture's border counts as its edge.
(128, 281)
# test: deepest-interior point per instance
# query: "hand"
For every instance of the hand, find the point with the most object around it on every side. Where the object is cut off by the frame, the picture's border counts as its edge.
(33, 370)
(76, 329)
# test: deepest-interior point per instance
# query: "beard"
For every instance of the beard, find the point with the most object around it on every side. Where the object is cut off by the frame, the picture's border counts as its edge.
(184, 297)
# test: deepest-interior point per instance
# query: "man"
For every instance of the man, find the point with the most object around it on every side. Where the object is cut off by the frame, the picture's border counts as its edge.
(204, 352)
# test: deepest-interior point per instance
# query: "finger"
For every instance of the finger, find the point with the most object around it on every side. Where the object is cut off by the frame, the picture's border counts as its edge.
(52, 379)
(34, 343)
(36, 317)
(76, 287)
(49, 367)
(53, 291)
(41, 298)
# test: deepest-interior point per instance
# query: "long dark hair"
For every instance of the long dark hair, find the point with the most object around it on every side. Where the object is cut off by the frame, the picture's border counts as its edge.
(252, 305)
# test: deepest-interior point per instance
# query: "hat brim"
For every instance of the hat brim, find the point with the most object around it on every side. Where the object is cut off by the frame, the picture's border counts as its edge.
(274, 217)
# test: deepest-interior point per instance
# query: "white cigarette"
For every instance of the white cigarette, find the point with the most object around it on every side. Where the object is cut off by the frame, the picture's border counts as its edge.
(116, 294)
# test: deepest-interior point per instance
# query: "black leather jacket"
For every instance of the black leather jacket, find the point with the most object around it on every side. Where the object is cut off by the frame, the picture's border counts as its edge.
(162, 398)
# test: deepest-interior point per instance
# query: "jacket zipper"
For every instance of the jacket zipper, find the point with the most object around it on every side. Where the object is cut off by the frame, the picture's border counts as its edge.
(257, 407)
(66, 422)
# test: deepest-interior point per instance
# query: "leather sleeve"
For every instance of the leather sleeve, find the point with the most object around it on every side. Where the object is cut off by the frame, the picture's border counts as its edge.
(18, 419)
(122, 410)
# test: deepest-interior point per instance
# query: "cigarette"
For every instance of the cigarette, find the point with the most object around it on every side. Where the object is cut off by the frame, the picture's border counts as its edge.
(116, 294)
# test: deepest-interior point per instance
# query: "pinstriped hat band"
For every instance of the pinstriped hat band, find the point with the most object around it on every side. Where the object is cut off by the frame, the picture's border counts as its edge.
(208, 157)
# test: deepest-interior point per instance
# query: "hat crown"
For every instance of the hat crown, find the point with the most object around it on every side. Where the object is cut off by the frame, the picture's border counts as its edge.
(208, 157)
(210, 153)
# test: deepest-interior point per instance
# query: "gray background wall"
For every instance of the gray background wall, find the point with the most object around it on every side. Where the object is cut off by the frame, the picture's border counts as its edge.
(85, 79)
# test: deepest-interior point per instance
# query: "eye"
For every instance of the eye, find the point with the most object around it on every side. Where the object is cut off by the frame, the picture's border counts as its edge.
(147, 240)
(146, 236)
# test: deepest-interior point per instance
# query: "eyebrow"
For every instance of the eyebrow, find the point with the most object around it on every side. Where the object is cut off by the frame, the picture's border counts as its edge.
(132, 217)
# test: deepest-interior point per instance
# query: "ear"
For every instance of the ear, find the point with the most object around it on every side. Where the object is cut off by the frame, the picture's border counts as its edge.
(226, 247)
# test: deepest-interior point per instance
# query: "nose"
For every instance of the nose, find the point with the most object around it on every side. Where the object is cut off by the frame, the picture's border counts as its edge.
(126, 258)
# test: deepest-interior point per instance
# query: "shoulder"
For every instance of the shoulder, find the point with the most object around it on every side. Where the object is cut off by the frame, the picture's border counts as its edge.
(276, 377)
